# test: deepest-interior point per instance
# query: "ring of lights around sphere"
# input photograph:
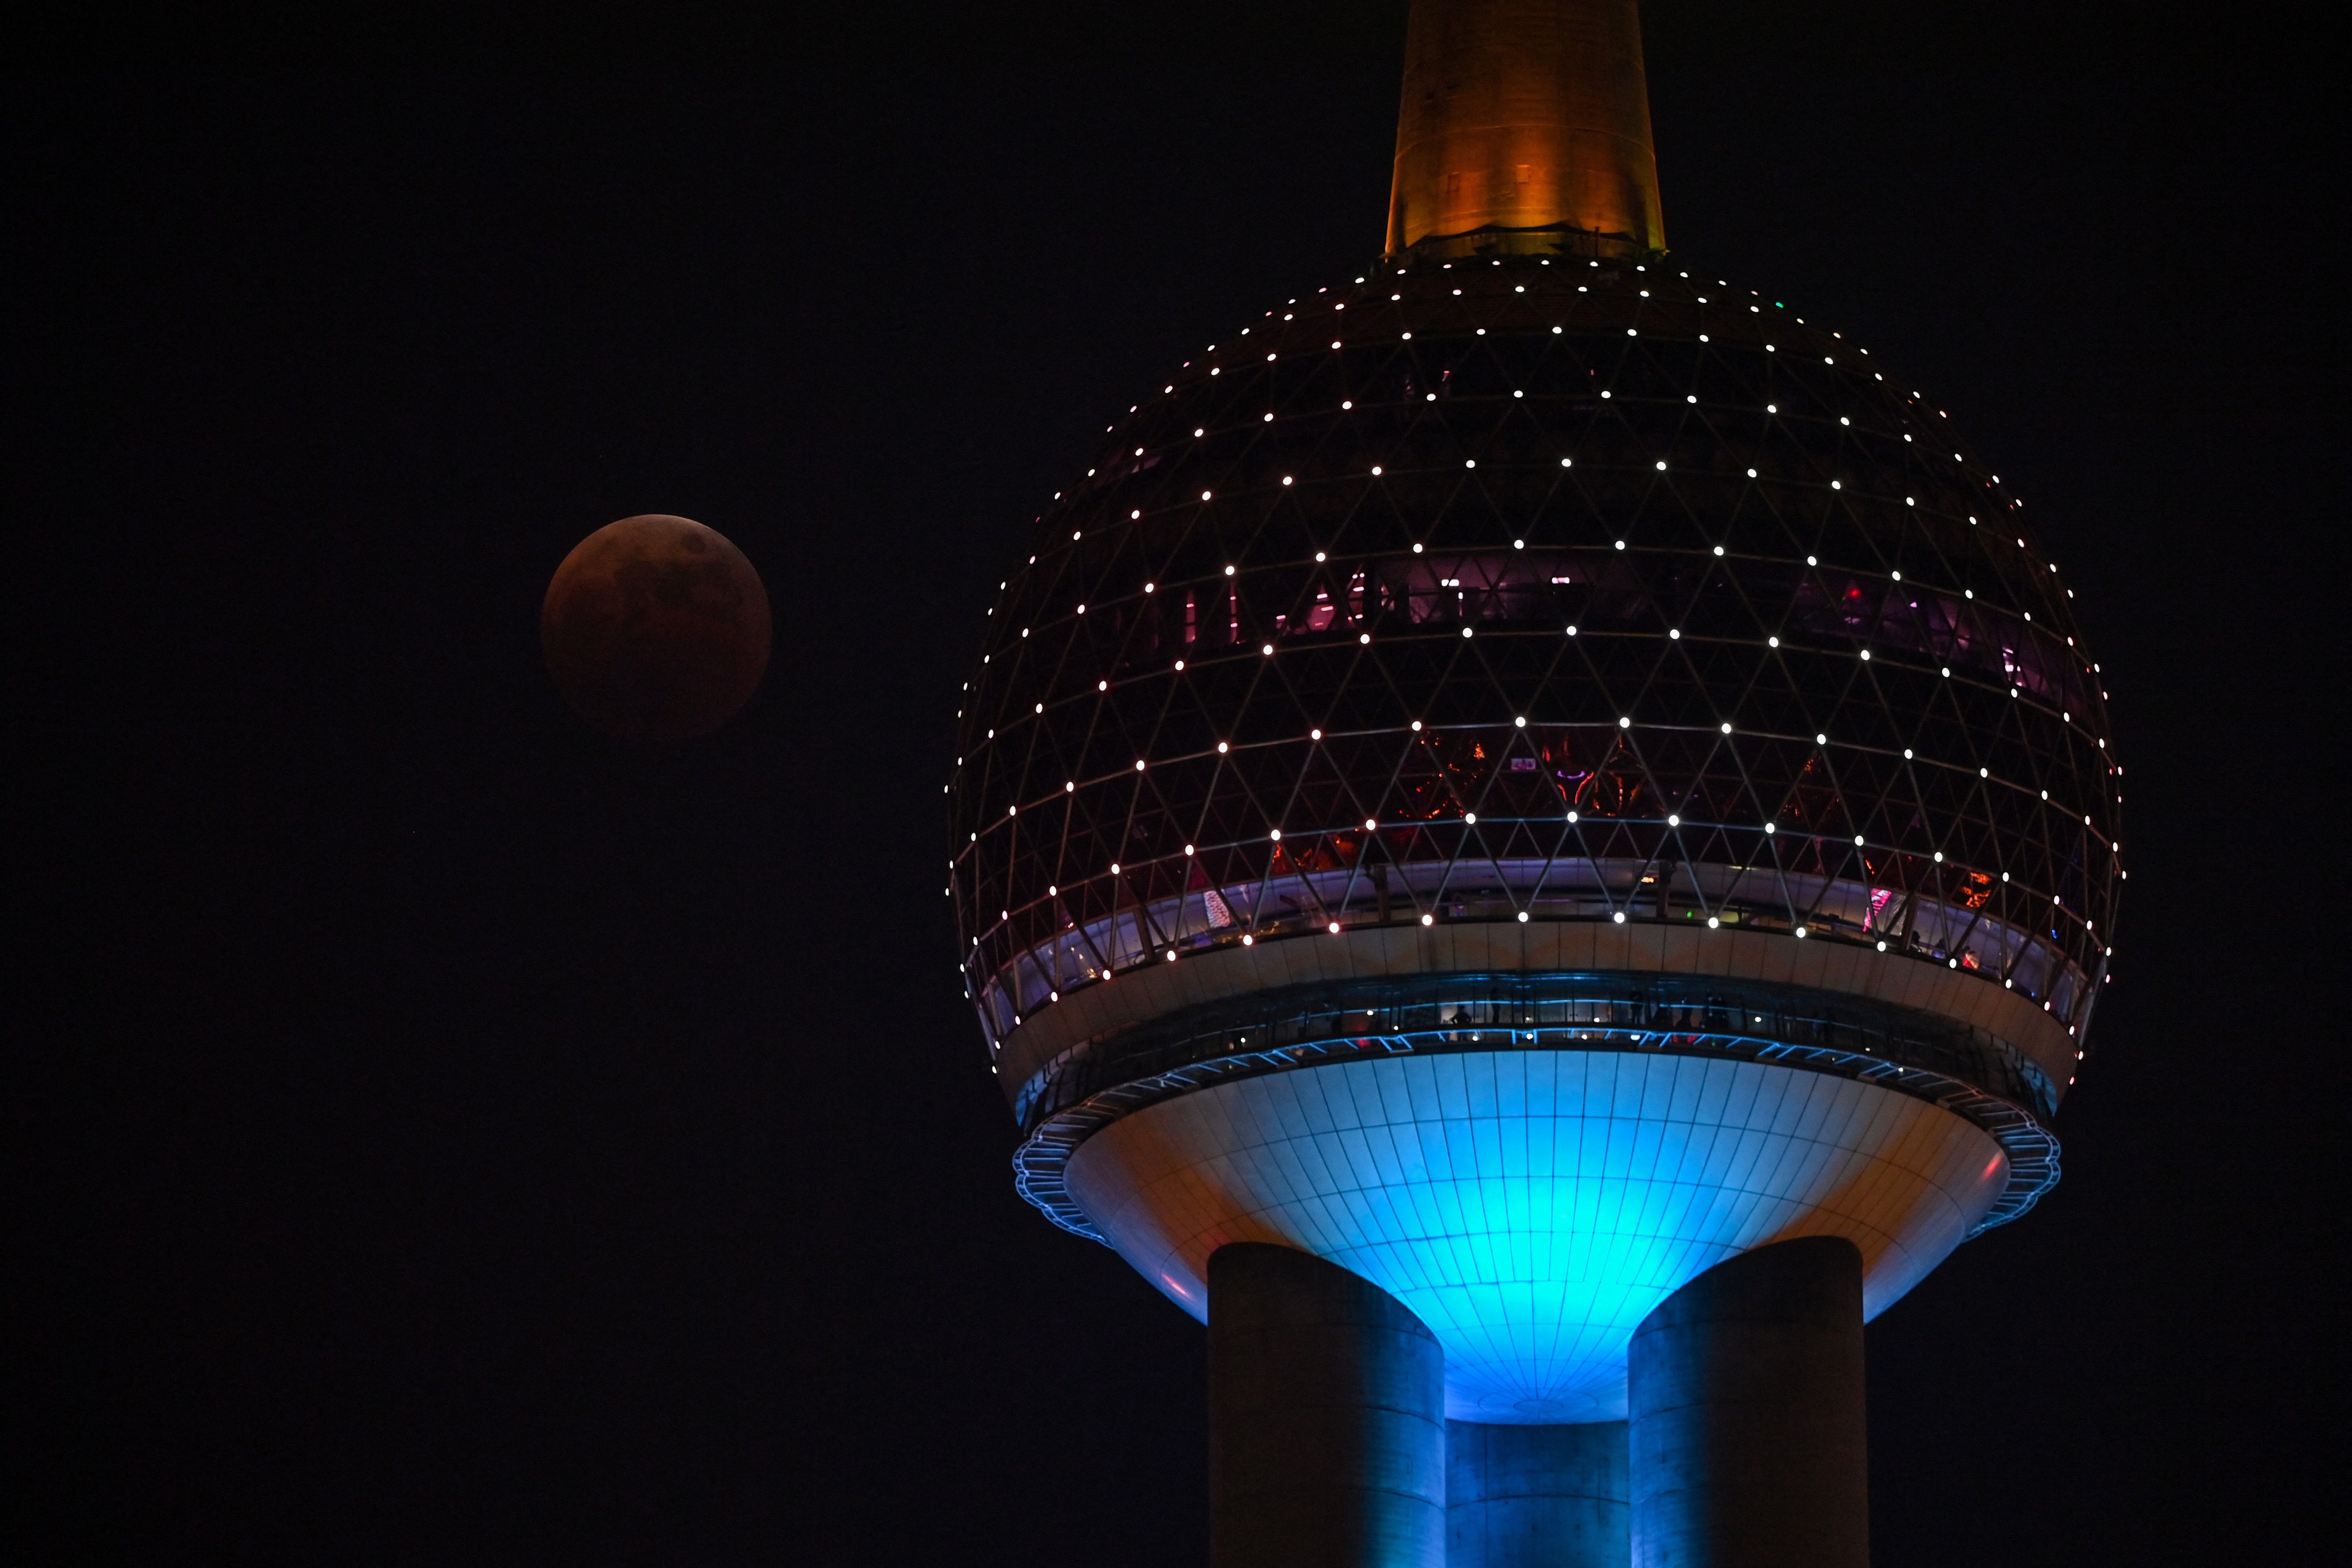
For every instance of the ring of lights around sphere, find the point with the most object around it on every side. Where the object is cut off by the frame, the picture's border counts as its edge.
(1271, 733)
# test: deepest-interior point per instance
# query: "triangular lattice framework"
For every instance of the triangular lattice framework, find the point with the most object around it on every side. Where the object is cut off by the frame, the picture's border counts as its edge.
(1522, 590)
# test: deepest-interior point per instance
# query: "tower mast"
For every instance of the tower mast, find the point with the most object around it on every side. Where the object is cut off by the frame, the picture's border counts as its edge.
(1525, 126)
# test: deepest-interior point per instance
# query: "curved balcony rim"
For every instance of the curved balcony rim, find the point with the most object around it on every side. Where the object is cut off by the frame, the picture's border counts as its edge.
(1305, 1026)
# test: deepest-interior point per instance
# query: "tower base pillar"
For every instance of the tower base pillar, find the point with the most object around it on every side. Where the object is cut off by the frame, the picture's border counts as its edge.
(1536, 1497)
(1747, 1428)
(1327, 1418)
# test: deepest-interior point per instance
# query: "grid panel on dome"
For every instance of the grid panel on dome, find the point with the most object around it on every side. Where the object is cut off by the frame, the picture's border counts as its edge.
(1546, 591)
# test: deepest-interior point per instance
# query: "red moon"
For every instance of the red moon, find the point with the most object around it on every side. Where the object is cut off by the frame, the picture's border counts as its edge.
(656, 629)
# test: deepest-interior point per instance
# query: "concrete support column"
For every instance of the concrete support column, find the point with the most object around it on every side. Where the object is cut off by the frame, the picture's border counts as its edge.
(1536, 1497)
(1327, 1418)
(1747, 1417)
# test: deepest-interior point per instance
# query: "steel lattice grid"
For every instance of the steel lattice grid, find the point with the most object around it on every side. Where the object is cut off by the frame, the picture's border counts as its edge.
(1320, 579)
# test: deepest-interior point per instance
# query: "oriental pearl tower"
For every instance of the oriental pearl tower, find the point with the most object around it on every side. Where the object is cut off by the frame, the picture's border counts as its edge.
(1533, 843)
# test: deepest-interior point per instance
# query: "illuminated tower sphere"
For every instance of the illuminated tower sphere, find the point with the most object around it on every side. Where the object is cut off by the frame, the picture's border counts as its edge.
(1531, 771)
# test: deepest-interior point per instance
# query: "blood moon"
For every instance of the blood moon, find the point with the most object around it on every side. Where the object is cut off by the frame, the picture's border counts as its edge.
(656, 629)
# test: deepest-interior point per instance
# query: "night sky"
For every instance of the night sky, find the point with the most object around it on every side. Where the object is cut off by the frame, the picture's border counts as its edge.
(437, 1135)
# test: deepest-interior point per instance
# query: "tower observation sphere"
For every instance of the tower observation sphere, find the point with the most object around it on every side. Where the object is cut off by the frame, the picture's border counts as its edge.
(1527, 773)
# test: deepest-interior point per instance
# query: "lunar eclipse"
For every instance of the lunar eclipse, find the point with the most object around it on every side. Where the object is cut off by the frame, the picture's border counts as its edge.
(656, 629)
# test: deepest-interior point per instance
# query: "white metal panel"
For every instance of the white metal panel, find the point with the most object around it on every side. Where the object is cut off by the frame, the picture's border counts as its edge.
(1533, 1206)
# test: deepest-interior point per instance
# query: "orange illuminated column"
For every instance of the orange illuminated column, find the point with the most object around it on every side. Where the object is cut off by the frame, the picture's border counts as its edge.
(1525, 115)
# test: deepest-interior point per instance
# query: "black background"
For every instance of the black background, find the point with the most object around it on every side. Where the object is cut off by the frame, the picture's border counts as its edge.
(437, 1136)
